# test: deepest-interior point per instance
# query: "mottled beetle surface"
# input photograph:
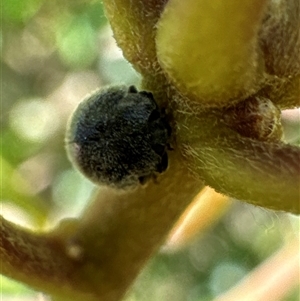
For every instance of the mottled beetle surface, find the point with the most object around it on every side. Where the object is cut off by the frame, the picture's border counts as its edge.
(118, 137)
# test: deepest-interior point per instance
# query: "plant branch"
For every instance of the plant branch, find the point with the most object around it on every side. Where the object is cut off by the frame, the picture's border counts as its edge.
(272, 280)
(284, 92)
(280, 38)
(205, 210)
(262, 173)
(120, 231)
(280, 42)
(40, 261)
(210, 49)
(133, 23)
(106, 248)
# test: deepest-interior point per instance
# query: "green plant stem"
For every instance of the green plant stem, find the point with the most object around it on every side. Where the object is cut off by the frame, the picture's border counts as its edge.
(120, 231)
(261, 173)
(284, 92)
(133, 23)
(209, 49)
(280, 39)
(116, 235)
(39, 260)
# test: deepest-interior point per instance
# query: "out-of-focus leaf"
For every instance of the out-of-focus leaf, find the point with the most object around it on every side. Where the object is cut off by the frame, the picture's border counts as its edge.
(11, 191)
(18, 10)
(76, 43)
(9, 286)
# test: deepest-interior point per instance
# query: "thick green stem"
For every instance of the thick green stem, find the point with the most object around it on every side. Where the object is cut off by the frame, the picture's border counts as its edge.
(41, 261)
(209, 48)
(133, 23)
(262, 173)
(284, 92)
(280, 38)
(100, 255)
(121, 230)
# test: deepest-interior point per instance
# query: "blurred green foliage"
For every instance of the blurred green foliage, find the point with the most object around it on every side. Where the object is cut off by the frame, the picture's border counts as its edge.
(17, 11)
(52, 54)
(9, 287)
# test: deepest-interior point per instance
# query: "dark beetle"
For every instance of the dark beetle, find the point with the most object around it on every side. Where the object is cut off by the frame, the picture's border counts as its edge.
(118, 137)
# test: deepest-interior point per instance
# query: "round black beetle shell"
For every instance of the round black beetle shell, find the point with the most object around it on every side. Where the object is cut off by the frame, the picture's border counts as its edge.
(118, 137)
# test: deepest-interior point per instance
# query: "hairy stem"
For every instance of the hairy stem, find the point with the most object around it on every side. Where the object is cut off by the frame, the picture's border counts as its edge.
(262, 173)
(102, 253)
(120, 231)
(40, 261)
(133, 23)
(284, 92)
(280, 38)
(210, 49)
